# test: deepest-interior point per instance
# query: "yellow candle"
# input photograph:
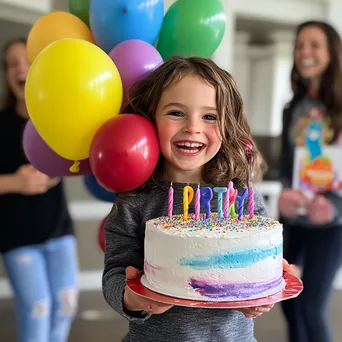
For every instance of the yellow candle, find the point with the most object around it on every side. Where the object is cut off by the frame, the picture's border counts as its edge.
(188, 195)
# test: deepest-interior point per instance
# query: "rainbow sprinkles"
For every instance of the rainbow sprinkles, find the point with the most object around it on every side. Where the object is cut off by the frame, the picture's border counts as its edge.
(214, 224)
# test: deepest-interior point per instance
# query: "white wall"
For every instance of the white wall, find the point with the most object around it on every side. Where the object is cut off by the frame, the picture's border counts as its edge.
(24, 11)
(242, 67)
(334, 14)
(262, 73)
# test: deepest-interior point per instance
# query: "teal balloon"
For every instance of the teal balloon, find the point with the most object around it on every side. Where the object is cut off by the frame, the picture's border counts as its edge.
(192, 28)
(80, 8)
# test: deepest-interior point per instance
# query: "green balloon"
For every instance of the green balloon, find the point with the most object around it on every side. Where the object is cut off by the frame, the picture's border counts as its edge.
(192, 28)
(80, 8)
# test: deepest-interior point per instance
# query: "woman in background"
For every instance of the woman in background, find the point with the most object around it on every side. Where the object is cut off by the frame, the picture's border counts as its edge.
(312, 238)
(36, 234)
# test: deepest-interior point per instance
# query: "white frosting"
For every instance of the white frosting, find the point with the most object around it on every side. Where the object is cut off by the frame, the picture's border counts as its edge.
(215, 252)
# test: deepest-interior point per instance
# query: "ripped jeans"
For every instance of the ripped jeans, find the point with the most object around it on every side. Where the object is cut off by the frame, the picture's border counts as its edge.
(43, 278)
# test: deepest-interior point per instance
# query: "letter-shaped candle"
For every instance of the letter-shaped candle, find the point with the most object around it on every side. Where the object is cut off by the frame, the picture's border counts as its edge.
(188, 195)
(232, 199)
(220, 191)
(227, 199)
(241, 200)
(206, 197)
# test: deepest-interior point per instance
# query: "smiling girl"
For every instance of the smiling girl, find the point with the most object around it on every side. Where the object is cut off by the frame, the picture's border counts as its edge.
(198, 113)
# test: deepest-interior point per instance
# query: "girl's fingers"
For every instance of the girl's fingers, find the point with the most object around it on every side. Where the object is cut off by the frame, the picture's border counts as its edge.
(257, 311)
(263, 309)
(157, 308)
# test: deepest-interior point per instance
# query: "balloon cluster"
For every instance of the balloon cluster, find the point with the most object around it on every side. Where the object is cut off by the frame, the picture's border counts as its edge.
(83, 63)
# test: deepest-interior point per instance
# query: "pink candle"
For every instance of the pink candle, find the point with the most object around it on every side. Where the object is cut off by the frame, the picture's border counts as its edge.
(170, 207)
(251, 202)
(226, 199)
(197, 203)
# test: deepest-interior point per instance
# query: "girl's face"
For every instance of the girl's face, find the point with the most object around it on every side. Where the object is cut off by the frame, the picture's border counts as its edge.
(17, 68)
(187, 125)
(311, 53)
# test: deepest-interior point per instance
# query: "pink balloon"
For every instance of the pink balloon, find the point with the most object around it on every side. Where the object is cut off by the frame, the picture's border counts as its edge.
(44, 159)
(135, 59)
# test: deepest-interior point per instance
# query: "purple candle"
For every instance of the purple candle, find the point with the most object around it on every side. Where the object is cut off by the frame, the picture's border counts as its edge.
(241, 200)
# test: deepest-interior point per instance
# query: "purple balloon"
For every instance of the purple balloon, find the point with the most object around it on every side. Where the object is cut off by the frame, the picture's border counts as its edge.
(135, 59)
(44, 159)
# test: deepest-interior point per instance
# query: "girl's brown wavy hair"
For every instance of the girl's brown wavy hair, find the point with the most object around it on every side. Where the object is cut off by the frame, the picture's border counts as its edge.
(238, 157)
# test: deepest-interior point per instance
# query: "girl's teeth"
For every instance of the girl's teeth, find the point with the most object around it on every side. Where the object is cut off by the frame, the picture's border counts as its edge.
(189, 147)
(188, 144)
(188, 151)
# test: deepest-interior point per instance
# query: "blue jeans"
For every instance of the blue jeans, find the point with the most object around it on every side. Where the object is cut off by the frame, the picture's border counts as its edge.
(43, 278)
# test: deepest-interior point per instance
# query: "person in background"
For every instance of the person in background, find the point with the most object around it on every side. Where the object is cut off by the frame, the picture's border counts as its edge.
(312, 226)
(37, 241)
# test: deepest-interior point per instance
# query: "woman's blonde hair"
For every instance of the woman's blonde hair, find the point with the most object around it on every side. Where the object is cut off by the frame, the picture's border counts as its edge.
(238, 157)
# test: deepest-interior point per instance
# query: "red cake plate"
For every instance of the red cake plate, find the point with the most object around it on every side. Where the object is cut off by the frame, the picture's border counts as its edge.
(141, 287)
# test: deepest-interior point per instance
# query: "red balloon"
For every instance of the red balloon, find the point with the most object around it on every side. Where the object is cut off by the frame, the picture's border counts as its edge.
(124, 152)
(100, 235)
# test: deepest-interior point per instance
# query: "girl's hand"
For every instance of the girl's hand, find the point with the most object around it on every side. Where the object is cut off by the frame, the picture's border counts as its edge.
(292, 269)
(255, 311)
(320, 210)
(133, 302)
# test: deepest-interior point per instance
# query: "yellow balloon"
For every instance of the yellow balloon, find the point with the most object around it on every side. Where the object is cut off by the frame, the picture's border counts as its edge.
(72, 88)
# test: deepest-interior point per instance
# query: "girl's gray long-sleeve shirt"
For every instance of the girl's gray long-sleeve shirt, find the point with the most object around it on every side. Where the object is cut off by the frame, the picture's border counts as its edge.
(124, 233)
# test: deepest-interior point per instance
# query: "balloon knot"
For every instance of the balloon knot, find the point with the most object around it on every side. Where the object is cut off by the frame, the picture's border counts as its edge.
(75, 167)
(124, 10)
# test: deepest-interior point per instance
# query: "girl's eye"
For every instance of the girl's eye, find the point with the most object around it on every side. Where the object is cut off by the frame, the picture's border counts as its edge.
(175, 113)
(209, 117)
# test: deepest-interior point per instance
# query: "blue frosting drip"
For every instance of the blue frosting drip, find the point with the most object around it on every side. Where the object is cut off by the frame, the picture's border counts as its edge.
(237, 259)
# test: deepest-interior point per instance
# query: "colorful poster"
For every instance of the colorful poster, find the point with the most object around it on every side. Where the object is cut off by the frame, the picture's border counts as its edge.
(317, 165)
(321, 172)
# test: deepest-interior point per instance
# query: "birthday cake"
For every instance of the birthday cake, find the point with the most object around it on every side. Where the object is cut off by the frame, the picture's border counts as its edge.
(215, 258)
